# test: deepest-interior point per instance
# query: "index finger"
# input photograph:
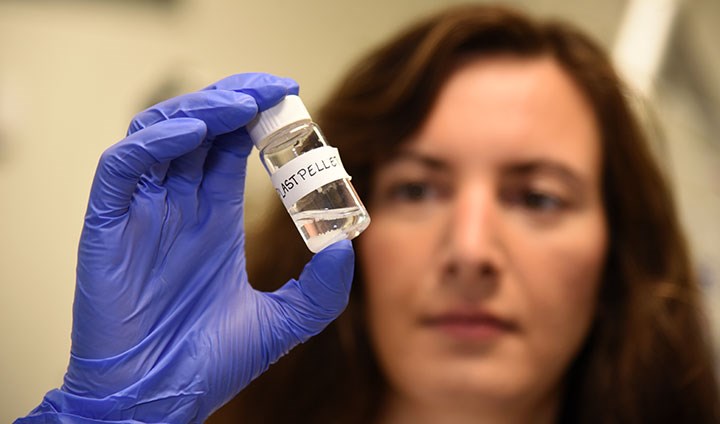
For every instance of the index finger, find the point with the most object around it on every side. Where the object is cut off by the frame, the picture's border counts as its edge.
(223, 111)
(266, 89)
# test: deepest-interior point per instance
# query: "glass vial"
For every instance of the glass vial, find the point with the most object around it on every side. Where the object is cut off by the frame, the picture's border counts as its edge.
(307, 174)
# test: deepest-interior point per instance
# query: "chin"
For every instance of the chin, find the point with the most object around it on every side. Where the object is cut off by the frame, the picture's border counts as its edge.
(462, 382)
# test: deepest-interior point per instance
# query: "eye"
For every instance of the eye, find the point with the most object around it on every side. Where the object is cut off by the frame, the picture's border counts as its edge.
(540, 201)
(414, 192)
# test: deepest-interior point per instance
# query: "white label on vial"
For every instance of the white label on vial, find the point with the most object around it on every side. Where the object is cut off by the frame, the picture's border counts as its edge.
(306, 173)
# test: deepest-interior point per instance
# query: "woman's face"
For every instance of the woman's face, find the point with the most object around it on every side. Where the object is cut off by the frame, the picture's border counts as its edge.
(488, 239)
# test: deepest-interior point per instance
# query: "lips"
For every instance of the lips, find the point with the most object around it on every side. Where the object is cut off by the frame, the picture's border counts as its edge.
(469, 325)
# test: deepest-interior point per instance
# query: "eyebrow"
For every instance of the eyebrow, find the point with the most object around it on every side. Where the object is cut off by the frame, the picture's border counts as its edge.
(426, 161)
(542, 166)
(521, 168)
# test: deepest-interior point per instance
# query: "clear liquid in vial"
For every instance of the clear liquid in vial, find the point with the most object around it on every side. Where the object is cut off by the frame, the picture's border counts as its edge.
(319, 220)
(331, 213)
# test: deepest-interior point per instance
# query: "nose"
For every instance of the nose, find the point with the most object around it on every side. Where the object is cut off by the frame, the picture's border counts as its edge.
(474, 244)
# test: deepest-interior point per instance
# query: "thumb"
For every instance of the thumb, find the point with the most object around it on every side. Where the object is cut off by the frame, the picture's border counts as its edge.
(307, 305)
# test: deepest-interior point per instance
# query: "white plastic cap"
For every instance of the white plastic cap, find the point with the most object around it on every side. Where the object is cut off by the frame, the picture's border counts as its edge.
(290, 109)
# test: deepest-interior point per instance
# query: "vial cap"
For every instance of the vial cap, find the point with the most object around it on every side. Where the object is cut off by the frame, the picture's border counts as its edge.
(291, 109)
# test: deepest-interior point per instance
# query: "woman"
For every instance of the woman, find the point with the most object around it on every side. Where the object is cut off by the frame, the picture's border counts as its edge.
(525, 262)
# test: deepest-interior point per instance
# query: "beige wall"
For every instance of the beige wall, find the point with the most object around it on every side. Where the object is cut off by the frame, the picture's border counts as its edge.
(72, 74)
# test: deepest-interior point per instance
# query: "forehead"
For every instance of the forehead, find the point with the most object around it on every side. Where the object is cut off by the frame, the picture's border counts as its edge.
(506, 108)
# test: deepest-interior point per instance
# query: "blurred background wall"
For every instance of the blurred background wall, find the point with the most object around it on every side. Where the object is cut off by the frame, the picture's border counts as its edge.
(73, 73)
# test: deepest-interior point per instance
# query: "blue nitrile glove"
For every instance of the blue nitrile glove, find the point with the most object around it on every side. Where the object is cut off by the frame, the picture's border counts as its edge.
(166, 327)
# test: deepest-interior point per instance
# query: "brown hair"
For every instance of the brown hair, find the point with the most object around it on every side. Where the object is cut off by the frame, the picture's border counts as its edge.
(647, 357)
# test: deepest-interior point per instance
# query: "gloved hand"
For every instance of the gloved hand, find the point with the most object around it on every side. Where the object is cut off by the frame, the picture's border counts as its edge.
(166, 327)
